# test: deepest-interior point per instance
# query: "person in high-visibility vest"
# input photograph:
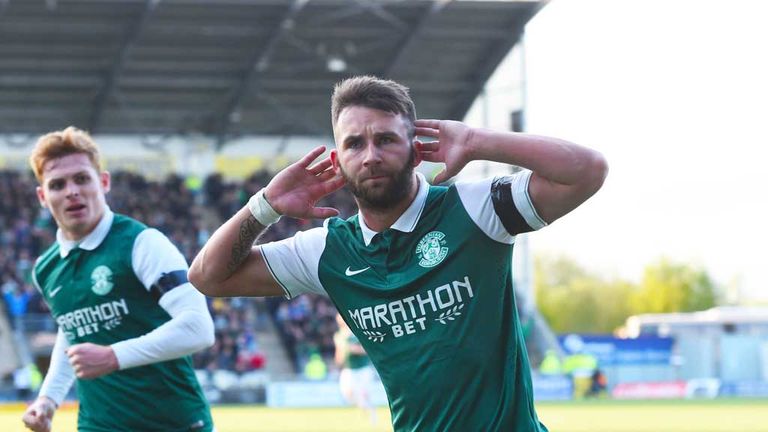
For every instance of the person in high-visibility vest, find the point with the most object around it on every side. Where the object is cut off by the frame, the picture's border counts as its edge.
(551, 364)
(580, 367)
(315, 369)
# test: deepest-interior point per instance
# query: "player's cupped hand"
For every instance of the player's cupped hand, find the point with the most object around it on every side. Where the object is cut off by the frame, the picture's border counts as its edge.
(452, 145)
(295, 190)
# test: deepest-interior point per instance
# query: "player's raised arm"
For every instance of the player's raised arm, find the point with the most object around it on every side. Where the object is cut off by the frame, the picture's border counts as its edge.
(229, 265)
(564, 174)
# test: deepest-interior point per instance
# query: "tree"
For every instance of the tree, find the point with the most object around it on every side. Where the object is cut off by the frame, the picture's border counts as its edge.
(672, 287)
(574, 300)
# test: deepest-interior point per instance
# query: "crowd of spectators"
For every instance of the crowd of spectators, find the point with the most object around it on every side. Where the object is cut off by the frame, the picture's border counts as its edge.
(168, 205)
(186, 214)
(306, 324)
(25, 230)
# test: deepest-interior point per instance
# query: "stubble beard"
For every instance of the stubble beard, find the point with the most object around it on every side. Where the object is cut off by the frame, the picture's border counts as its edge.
(390, 196)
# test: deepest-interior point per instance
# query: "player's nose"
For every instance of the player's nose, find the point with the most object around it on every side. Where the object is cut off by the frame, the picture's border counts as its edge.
(372, 154)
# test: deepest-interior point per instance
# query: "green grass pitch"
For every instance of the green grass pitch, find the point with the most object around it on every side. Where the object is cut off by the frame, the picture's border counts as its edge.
(731, 415)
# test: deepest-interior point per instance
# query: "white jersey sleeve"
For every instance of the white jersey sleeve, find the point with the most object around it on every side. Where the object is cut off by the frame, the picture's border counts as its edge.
(154, 255)
(501, 206)
(60, 376)
(294, 262)
(190, 328)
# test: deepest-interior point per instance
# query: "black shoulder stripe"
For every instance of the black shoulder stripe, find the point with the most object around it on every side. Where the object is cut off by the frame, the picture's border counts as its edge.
(504, 206)
(167, 282)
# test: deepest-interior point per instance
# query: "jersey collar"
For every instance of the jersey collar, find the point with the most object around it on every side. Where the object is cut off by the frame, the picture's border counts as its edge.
(407, 221)
(89, 242)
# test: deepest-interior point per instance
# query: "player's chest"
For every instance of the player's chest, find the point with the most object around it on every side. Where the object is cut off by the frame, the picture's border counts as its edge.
(81, 280)
(394, 259)
(409, 287)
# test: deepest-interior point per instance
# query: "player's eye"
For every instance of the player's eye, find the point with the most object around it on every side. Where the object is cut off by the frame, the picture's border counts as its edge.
(82, 179)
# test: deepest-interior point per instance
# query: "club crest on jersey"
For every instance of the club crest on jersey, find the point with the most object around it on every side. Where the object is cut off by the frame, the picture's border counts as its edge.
(101, 278)
(431, 249)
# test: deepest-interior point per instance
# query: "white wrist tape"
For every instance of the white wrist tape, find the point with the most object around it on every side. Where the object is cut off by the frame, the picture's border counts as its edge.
(261, 210)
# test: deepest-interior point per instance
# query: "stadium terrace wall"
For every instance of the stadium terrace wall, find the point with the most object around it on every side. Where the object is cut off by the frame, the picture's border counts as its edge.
(156, 156)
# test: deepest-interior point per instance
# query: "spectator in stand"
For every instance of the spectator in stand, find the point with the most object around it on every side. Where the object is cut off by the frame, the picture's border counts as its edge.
(17, 301)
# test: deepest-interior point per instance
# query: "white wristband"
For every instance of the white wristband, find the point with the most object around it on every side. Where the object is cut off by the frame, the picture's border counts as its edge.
(261, 210)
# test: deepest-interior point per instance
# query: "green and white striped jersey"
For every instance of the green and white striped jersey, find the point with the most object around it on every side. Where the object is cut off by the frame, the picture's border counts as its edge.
(431, 300)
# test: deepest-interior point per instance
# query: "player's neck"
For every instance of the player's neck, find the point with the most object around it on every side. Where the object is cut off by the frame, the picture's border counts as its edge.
(379, 219)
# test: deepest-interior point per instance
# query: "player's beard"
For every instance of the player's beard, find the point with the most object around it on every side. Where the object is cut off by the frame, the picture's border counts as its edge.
(398, 189)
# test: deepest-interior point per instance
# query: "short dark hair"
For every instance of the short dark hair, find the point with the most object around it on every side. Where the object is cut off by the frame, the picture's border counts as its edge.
(372, 92)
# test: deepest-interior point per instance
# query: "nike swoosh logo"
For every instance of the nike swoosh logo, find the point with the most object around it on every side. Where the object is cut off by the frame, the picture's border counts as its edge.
(54, 291)
(350, 272)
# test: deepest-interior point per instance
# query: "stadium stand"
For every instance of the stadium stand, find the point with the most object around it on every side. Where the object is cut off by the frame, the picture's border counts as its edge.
(256, 339)
(251, 46)
(250, 333)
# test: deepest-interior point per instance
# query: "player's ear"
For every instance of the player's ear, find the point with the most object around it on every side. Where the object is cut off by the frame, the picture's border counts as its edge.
(335, 160)
(415, 145)
(106, 181)
(41, 196)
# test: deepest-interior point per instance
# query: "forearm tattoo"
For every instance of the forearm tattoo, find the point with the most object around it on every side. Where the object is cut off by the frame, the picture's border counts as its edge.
(249, 231)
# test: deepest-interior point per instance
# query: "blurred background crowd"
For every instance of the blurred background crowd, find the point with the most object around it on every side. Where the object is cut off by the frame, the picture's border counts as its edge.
(187, 211)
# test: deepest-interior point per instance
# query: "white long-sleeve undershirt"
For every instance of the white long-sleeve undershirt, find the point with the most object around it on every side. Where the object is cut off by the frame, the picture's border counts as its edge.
(190, 328)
